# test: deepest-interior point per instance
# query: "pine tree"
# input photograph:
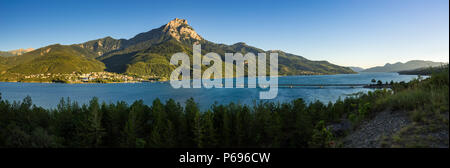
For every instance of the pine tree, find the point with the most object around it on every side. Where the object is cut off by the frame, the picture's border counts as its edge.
(94, 120)
(274, 128)
(321, 137)
(107, 124)
(158, 124)
(90, 131)
(169, 135)
(209, 132)
(129, 132)
(198, 131)
(303, 124)
(223, 125)
(192, 122)
(175, 123)
(134, 127)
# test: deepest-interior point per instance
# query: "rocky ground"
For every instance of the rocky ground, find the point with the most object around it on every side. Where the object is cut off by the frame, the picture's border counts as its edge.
(396, 129)
(368, 134)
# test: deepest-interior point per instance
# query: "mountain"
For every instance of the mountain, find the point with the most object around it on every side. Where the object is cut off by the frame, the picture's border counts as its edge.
(52, 59)
(357, 69)
(148, 54)
(100, 46)
(15, 52)
(6, 54)
(2, 64)
(410, 65)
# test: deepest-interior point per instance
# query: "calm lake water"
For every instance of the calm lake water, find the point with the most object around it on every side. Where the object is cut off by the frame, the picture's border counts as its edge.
(48, 95)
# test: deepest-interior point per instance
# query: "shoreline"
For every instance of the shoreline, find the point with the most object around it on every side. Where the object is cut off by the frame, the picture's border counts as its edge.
(166, 80)
(155, 81)
(77, 82)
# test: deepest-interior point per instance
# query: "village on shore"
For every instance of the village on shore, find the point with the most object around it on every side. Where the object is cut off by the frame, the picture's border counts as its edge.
(78, 77)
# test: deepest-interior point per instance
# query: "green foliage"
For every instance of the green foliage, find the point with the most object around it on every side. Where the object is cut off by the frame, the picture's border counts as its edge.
(379, 82)
(364, 110)
(159, 125)
(156, 66)
(425, 71)
(321, 137)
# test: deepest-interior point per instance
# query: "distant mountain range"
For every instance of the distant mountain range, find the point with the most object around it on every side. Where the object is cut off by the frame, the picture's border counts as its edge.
(146, 54)
(15, 52)
(357, 69)
(410, 65)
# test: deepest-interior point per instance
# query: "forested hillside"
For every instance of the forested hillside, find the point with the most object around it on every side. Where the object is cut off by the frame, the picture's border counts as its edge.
(53, 59)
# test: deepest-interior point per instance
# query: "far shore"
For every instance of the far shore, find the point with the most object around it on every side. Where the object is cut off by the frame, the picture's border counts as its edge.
(144, 81)
(148, 81)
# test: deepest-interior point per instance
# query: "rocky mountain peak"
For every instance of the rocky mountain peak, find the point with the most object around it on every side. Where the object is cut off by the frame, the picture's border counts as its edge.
(180, 30)
(177, 22)
(21, 51)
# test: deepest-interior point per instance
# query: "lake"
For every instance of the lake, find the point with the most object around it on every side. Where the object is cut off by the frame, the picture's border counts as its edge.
(48, 95)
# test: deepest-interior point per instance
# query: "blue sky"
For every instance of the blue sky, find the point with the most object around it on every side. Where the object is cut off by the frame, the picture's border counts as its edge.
(345, 32)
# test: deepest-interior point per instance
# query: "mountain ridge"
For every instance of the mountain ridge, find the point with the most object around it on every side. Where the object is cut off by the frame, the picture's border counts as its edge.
(399, 66)
(148, 53)
(11, 53)
(356, 69)
(55, 58)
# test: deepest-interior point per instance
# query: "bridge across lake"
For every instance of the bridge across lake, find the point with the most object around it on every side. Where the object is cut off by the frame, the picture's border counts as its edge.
(292, 85)
(320, 85)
